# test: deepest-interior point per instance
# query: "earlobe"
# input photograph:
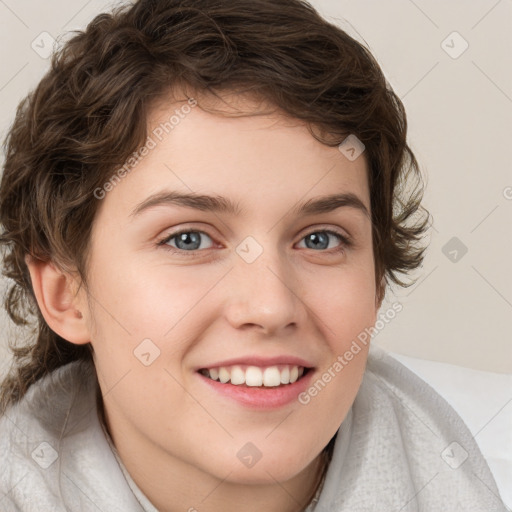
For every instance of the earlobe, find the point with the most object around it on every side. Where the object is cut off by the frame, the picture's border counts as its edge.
(58, 301)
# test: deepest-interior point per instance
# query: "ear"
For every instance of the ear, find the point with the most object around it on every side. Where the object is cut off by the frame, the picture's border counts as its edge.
(64, 310)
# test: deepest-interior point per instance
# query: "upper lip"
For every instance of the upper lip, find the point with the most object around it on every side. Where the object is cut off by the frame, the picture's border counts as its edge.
(260, 361)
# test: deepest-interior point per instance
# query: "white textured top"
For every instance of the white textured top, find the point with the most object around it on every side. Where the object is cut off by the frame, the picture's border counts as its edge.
(400, 448)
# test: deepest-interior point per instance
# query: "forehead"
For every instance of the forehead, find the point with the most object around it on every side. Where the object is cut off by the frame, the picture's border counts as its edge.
(253, 154)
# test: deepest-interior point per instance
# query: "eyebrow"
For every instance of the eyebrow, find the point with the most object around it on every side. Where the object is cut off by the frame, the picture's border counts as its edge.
(220, 204)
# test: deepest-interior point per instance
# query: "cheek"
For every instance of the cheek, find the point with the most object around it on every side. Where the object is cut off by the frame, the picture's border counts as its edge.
(346, 311)
(135, 301)
(346, 308)
(345, 302)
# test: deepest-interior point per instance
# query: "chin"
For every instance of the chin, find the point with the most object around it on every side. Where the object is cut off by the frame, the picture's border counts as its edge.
(263, 474)
(249, 466)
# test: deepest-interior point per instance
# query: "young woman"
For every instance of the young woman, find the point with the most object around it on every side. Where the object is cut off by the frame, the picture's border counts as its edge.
(203, 203)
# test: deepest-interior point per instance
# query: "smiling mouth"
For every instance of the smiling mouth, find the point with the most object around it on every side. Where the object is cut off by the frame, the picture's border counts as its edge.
(255, 376)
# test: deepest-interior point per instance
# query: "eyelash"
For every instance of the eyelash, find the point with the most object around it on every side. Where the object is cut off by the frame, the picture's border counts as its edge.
(346, 242)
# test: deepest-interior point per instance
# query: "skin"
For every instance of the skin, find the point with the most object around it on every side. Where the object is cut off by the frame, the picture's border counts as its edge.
(179, 439)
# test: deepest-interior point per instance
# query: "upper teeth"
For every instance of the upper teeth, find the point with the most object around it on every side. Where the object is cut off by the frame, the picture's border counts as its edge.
(269, 376)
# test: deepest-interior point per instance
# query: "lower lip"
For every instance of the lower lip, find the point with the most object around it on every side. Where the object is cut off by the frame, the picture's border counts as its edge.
(261, 397)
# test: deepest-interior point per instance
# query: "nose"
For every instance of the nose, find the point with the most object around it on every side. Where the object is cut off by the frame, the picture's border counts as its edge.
(265, 295)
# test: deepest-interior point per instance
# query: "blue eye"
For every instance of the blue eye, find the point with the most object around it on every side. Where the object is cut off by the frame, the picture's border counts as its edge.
(191, 241)
(319, 240)
(185, 241)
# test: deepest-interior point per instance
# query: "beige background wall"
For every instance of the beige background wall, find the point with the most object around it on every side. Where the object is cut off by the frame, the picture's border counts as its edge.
(450, 63)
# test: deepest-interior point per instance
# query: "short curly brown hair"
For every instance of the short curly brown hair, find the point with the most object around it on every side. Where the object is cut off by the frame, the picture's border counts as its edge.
(88, 115)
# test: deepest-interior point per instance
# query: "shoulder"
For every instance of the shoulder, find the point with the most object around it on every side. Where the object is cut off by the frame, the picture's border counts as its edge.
(403, 394)
(54, 451)
(404, 447)
(32, 432)
(420, 414)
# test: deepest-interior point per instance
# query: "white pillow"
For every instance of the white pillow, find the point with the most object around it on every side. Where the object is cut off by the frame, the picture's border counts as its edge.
(484, 401)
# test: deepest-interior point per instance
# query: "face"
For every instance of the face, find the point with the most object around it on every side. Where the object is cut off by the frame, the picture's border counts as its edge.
(255, 284)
